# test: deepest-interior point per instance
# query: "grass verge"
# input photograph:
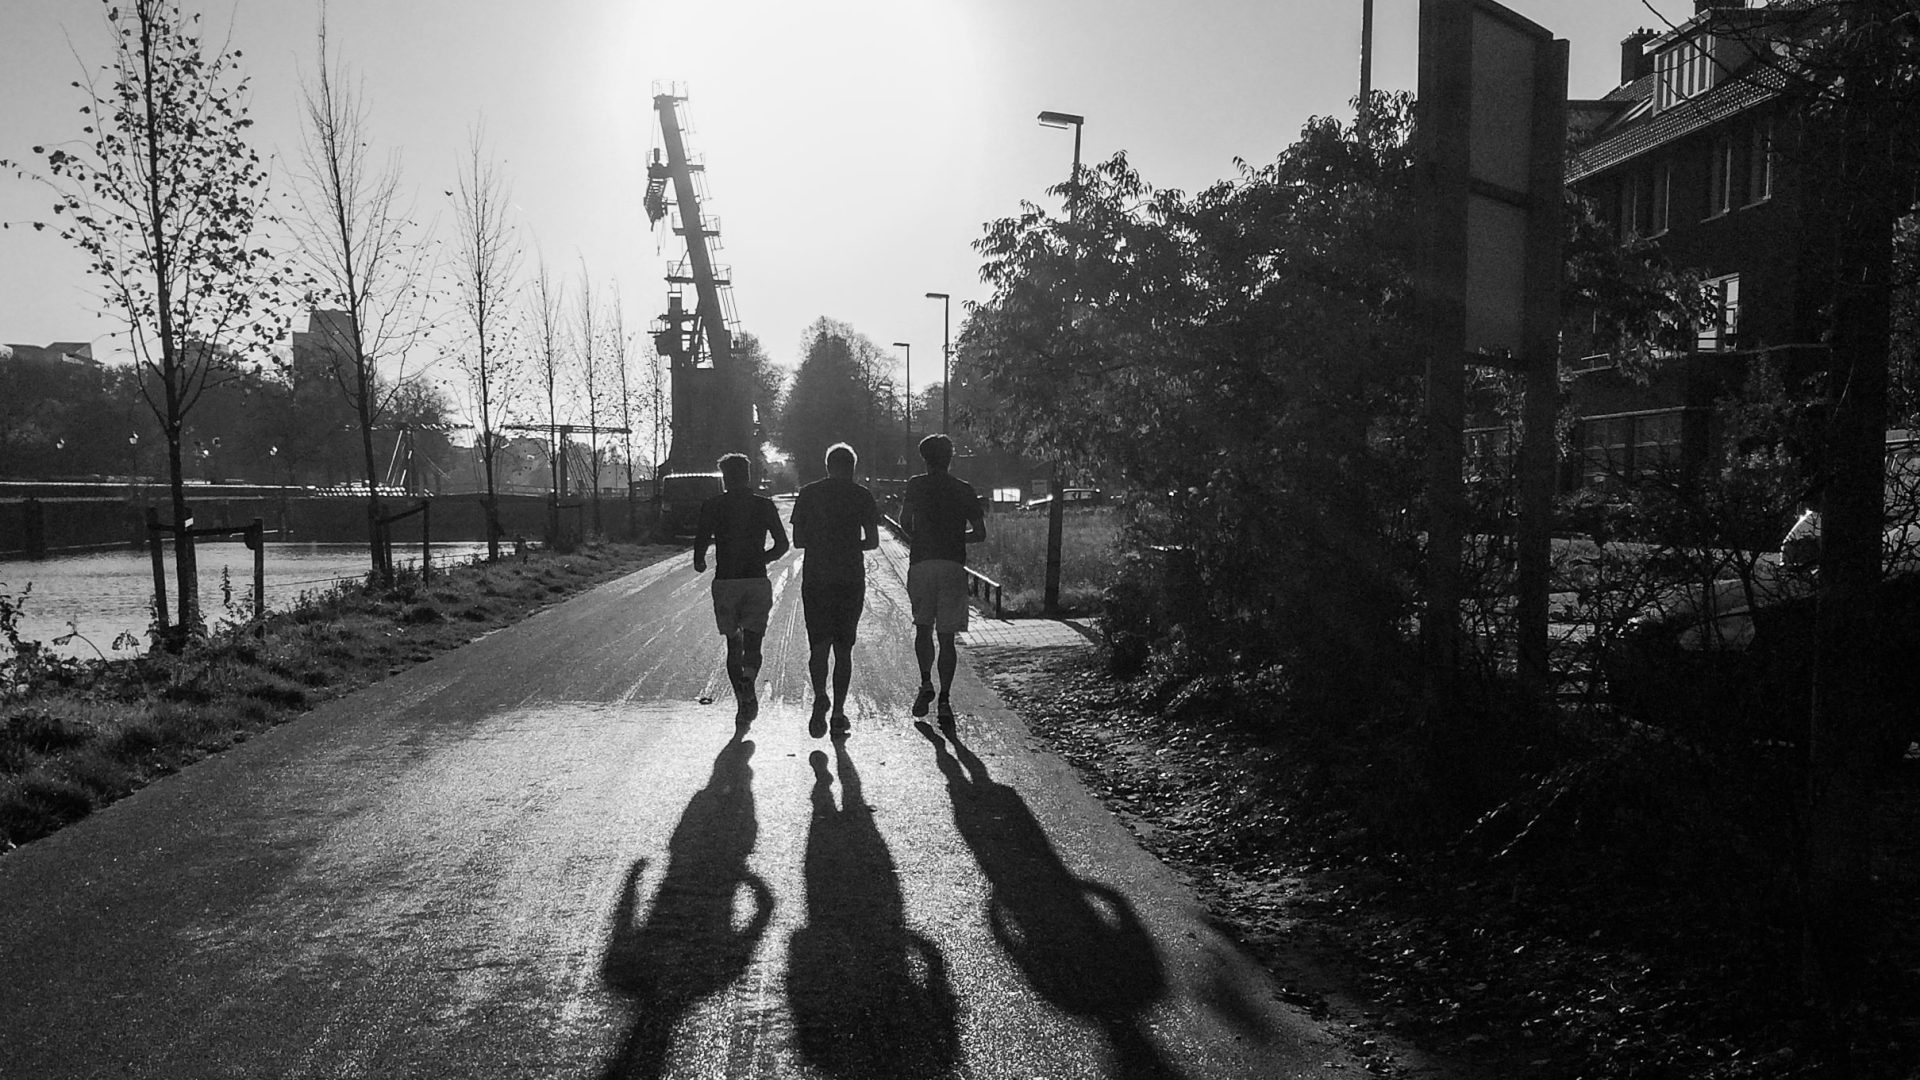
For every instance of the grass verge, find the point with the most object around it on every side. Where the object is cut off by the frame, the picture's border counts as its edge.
(1015, 555)
(80, 736)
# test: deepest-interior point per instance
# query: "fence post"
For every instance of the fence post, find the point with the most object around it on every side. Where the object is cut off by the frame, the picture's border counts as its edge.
(256, 539)
(36, 528)
(426, 540)
(159, 572)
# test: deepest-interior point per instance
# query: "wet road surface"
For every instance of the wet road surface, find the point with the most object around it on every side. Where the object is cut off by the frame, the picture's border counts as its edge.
(541, 856)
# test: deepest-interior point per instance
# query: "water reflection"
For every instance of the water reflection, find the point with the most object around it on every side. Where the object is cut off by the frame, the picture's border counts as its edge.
(107, 592)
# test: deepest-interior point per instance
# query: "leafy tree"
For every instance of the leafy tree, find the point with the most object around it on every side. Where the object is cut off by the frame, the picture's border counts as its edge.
(488, 261)
(764, 380)
(364, 259)
(1242, 359)
(1850, 69)
(832, 398)
(165, 195)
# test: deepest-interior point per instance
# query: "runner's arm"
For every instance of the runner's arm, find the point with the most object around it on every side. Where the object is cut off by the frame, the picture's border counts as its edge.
(976, 519)
(869, 527)
(778, 530)
(702, 536)
(799, 522)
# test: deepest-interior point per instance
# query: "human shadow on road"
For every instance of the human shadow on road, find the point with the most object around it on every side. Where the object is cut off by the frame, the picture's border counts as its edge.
(1078, 942)
(686, 946)
(870, 997)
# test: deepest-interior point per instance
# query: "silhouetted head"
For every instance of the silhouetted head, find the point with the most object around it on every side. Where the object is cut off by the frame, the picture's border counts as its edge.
(841, 460)
(937, 452)
(733, 470)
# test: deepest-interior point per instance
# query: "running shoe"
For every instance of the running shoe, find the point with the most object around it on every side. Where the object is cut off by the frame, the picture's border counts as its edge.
(817, 727)
(921, 702)
(946, 712)
(841, 725)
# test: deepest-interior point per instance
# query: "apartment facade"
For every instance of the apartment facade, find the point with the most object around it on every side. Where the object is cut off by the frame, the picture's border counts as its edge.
(1696, 151)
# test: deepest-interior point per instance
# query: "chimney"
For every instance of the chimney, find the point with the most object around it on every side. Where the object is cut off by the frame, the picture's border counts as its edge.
(1634, 61)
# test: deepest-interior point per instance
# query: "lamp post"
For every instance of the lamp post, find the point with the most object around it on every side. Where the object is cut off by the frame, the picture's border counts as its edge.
(906, 408)
(946, 361)
(1056, 506)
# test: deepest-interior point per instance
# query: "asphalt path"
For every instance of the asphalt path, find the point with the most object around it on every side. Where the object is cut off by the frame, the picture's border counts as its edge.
(542, 855)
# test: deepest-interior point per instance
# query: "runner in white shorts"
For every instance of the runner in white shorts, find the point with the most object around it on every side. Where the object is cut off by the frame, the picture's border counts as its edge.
(940, 514)
(738, 523)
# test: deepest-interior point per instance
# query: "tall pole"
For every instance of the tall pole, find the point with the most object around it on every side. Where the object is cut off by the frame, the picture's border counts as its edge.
(946, 361)
(1366, 54)
(1057, 505)
(906, 409)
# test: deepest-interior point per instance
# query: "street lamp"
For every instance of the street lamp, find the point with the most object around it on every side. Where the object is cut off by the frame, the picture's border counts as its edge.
(906, 407)
(1056, 506)
(946, 361)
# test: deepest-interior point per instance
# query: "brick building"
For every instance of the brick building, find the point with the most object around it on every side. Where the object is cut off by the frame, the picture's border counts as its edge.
(1696, 151)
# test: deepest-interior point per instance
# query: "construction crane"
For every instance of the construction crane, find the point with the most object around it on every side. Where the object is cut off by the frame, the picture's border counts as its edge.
(712, 403)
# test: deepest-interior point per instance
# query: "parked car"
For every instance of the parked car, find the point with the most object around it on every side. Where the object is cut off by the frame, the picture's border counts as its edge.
(681, 496)
(1736, 657)
(1074, 497)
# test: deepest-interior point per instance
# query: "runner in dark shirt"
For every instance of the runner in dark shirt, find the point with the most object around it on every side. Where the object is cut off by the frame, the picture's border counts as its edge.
(738, 523)
(941, 516)
(836, 523)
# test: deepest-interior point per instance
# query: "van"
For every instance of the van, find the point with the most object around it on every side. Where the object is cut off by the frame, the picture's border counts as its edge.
(681, 495)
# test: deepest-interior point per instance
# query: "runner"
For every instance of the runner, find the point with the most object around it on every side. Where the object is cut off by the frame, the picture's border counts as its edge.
(835, 522)
(738, 523)
(941, 516)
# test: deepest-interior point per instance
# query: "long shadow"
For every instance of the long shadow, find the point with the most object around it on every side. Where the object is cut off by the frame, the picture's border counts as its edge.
(1078, 942)
(687, 946)
(870, 997)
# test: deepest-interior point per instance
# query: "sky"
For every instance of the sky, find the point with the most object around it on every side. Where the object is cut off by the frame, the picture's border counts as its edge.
(854, 148)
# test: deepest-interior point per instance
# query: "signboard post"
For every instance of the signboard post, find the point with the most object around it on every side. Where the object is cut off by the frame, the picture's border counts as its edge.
(1490, 149)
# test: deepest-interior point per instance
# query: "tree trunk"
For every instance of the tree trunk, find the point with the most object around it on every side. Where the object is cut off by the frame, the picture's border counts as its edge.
(382, 561)
(185, 565)
(493, 500)
(1845, 734)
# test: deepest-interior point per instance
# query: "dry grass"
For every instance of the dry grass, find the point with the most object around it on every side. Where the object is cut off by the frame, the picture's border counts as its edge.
(77, 737)
(1015, 555)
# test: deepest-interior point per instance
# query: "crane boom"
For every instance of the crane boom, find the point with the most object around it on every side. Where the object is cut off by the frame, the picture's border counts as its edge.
(712, 406)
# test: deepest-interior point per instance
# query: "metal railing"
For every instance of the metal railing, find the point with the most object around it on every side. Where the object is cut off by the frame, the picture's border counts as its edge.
(979, 585)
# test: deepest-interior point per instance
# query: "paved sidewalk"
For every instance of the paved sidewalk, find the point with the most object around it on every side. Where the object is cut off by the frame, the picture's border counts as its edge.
(985, 631)
(988, 632)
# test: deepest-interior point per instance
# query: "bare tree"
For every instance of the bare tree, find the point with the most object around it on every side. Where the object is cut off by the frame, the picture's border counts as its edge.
(487, 261)
(546, 331)
(365, 258)
(164, 195)
(594, 383)
(620, 351)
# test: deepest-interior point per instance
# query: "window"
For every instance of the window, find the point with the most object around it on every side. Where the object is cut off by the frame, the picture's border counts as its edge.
(1760, 162)
(1656, 442)
(1720, 177)
(1617, 449)
(1629, 207)
(1605, 444)
(1723, 331)
(1643, 202)
(1662, 182)
(1681, 71)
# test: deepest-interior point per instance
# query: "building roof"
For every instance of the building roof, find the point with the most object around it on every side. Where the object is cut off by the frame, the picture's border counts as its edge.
(1636, 134)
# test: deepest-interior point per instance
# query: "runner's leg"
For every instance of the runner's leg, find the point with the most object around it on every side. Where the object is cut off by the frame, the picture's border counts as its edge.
(842, 673)
(949, 662)
(923, 652)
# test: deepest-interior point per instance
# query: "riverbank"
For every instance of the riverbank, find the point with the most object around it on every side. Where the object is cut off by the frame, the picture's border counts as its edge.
(75, 736)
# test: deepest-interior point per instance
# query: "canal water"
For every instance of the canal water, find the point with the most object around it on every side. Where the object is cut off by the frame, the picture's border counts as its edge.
(104, 594)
